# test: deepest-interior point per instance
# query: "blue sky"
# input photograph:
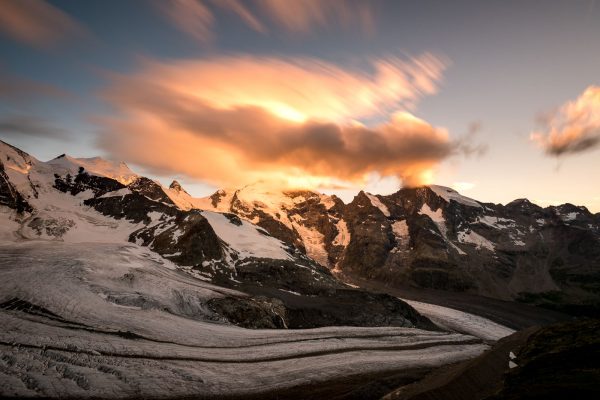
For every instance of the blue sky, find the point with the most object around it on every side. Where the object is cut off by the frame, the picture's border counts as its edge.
(508, 62)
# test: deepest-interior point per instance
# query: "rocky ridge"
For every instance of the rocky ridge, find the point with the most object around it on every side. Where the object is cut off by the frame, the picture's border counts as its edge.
(433, 237)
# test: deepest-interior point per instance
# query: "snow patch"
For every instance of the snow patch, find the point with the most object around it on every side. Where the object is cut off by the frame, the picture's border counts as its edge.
(436, 216)
(377, 203)
(570, 216)
(400, 229)
(473, 237)
(497, 222)
(450, 194)
(343, 236)
(116, 193)
(314, 243)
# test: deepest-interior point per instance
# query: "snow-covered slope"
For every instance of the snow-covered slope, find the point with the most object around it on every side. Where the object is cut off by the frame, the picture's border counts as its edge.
(246, 239)
(55, 215)
(450, 194)
(64, 215)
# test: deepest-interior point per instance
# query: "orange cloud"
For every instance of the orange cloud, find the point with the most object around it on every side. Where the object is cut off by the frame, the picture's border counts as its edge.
(230, 121)
(574, 128)
(295, 88)
(197, 17)
(36, 22)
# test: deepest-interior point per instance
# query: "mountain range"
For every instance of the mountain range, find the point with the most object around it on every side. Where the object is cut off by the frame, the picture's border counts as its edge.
(93, 252)
(428, 237)
(433, 237)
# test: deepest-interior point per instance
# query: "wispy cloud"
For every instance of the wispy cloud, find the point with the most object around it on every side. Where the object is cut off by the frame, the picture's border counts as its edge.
(191, 16)
(304, 15)
(295, 88)
(27, 125)
(236, 119)
(198, 17)
(574, 128)
(36, 22)
(15, 89)
(247, 16)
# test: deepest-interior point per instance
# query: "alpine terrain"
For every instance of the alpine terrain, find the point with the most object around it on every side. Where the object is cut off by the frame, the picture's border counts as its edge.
(115, 286)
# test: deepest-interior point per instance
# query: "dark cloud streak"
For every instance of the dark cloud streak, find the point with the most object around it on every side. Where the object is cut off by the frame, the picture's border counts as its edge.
(22, 125)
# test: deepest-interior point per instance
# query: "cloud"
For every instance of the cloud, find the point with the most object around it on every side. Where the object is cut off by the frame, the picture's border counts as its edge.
(239, 8)
(36, 22)
(198, 17)
(292, 88)
(574, 128)
(14, 90)
(190, 16)
(23, 125)
(230, 121)
(305, 15)
(468, 145)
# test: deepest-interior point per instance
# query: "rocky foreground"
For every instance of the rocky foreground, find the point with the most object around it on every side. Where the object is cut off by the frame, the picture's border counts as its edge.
(556, 361)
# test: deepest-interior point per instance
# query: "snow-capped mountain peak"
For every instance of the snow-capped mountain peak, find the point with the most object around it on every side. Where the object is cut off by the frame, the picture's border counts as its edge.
(118, 171)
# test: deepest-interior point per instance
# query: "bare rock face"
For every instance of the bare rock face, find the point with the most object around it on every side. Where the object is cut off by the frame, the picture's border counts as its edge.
(312, 297)
(150, 189)
(371, 238)
(9, 196)
(177, 187)
(252, 312)
(186, 239)
(518, 251)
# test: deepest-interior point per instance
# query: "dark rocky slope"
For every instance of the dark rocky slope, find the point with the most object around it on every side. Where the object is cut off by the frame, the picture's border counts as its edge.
(557, 361)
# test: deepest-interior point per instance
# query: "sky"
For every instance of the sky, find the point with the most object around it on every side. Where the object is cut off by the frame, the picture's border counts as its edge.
(497, 99)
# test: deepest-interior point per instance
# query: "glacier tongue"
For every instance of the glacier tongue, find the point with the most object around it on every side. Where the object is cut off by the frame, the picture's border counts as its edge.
(114, 320)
